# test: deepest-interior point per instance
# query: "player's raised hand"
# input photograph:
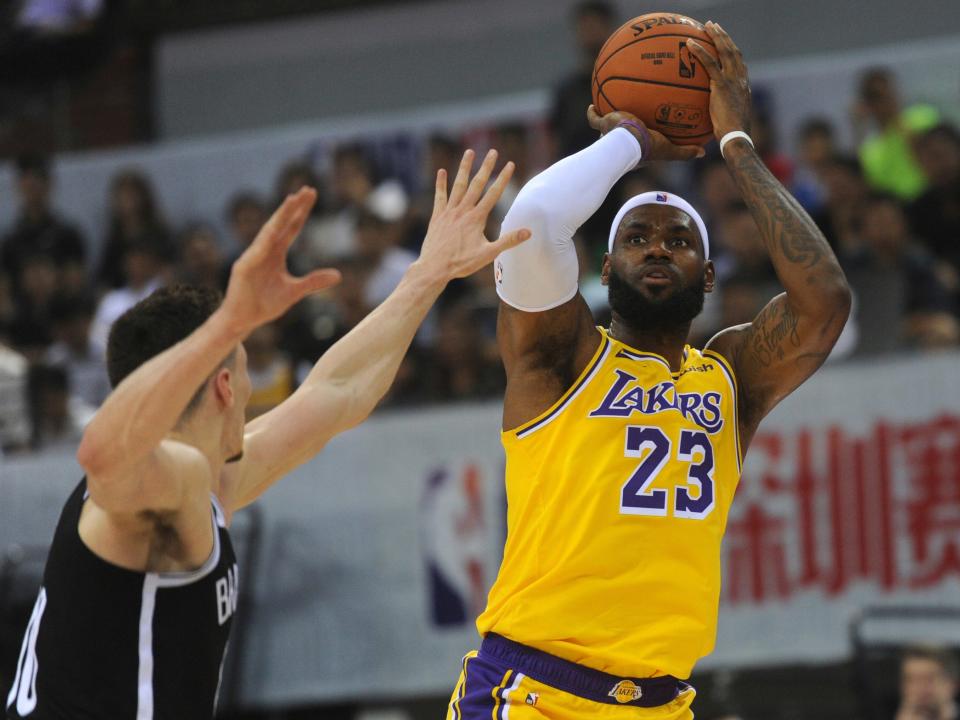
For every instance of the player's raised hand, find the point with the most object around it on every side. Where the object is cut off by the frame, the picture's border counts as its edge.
(260, 288)
(654, 146)
(455, 245)
(729, 84)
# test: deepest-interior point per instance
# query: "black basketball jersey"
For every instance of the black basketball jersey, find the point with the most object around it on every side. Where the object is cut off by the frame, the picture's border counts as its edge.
(106, 642)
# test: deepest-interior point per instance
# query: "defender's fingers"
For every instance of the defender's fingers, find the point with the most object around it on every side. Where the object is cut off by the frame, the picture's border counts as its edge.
(316, 281)
(463, 177)
(479, 181)
(440, 193)
(505, 242)
(705, 58)
(492, 196)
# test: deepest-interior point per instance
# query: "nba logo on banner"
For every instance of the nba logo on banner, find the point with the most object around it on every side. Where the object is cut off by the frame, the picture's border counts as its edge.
(661, 197)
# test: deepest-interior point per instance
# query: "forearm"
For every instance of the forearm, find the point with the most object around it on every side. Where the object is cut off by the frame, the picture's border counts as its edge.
(542, 273)
(362, 365)
(801, 256)
(146, 406)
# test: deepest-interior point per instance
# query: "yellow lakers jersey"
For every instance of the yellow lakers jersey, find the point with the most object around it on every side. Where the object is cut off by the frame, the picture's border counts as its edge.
(617, 502)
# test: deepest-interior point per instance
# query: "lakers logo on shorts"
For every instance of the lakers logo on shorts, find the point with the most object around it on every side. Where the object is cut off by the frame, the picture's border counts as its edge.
(626, 691)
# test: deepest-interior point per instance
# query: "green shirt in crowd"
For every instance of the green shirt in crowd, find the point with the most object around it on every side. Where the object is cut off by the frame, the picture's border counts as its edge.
(887, 158)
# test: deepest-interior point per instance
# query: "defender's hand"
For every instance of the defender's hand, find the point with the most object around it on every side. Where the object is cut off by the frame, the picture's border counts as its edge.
(660, 147)
(260, 288)
(729, 84)
(455, 245)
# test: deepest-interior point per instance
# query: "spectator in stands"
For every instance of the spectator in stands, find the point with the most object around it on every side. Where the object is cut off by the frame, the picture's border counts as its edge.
(271, 371)
(717, 190)
(57, 419)
(512, 140)
(764, 138)
(135, 220)
(246, 214)
(201, 260)
(935, 215)
(441, 151)
(816, 147)
(14, 418)
(846, 197)
(887, 153)
(929, 678)
(901, 300)
(461, 369)
(145, 270)
(379, 230)
(39, 231)
(31, 330)
(73, 351)
(594, 21)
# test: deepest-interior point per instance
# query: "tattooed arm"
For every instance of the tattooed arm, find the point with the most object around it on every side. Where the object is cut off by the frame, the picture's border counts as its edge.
(794, 333)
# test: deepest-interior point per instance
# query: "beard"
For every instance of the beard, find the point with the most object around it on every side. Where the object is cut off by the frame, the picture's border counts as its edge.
(675, 309)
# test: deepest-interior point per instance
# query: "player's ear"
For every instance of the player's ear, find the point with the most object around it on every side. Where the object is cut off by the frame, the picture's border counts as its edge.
(605, 269)
(709, 277)
(223, 388)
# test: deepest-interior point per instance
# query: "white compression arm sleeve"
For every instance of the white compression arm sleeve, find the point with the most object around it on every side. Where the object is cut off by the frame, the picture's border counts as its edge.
(542, 273)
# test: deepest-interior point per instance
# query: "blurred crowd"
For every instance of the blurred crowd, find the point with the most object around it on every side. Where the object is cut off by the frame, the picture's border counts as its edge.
(890, 208)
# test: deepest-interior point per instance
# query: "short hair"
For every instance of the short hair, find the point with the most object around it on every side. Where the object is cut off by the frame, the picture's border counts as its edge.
(242, 200)
(33, 164)
(816, 126)
(155, 324)
(942, 656)
(849, 163)
(870, 76)
(596, 8)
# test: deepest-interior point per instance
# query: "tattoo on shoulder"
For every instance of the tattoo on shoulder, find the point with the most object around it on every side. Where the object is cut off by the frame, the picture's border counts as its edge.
(772, 331)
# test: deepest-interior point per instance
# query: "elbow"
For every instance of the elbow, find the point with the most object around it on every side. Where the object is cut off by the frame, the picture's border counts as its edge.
(88, 456)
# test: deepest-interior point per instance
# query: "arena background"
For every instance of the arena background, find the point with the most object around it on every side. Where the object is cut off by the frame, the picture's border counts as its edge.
(362, 571)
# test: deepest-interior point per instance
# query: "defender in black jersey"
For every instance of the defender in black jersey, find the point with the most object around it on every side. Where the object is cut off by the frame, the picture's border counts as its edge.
(134, 614)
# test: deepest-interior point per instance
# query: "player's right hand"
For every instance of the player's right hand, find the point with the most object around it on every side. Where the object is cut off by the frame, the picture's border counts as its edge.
(660, 147)
(260, 288)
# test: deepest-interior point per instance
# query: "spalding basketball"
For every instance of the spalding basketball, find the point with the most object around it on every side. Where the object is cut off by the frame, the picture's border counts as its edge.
(646, 69)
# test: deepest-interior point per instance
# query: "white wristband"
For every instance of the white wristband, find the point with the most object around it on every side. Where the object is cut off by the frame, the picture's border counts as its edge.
(733, 135)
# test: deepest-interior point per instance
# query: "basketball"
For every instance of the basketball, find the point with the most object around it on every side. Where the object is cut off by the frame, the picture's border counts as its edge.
(646, 69)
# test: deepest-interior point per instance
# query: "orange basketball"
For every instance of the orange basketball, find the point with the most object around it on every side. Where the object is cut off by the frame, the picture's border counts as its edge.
(645, 69)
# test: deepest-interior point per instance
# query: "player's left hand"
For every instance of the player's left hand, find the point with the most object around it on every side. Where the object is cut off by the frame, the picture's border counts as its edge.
(455, 245)
(729, 84)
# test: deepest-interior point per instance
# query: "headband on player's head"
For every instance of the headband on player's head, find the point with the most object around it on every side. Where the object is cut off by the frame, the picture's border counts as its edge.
(657, 197)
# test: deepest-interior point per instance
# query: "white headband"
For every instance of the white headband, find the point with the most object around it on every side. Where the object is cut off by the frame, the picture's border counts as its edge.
(657, 197)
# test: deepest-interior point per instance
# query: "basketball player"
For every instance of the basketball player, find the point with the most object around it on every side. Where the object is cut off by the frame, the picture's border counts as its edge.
(624, 444)
(141, 582)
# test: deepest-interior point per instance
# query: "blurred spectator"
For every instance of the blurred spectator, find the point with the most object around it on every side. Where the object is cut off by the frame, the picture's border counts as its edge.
(38, 230)
(935, 215)
(57, 418)
(201, 260)
(765, 140)
(441, 152)
(31, 330)
(594, 21)
(741, 250)
(377, 240)
(134, 220)
(14, 418)
(144, 266)
(512, 141)
(73, 351)
(846, 196)
(887, 154)
(816, 147)
(929, 678)
(271, 372)
(716, 189)
(461, 369)
(901, 301)
(246, 214)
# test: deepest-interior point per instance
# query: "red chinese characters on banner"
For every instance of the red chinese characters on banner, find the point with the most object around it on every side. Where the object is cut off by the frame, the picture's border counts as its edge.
(822, 509)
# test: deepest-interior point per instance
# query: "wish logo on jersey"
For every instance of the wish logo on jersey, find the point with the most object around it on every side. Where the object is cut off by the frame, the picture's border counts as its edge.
(626, 396)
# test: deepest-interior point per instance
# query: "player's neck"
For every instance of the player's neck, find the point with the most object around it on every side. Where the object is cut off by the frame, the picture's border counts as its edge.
(206, 436)
(667, 343)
